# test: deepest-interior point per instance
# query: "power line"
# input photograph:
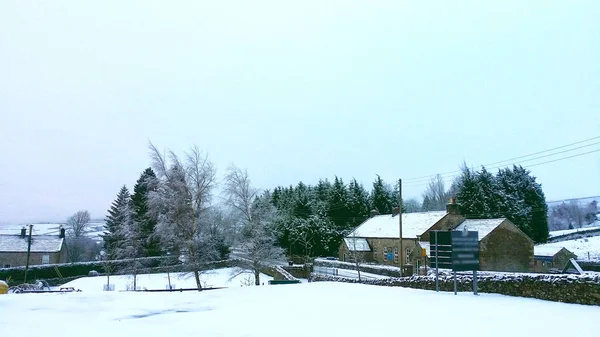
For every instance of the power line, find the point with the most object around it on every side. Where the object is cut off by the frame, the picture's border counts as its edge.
(415, 179)
(526, 166)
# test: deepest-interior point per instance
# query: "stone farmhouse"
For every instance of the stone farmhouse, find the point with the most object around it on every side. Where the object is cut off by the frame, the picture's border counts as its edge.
(503, 247)
(45, 249)
(550, 257)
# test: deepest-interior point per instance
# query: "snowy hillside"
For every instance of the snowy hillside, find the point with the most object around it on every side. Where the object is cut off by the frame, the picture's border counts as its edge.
(213, 278)
(319, 309)
(594, 228)
(585, 248)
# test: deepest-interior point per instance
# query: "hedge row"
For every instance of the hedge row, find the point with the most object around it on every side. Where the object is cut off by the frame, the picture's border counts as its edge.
(16, 275)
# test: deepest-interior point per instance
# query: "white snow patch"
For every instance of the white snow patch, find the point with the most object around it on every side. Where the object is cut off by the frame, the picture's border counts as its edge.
(357, 244)
(482, 226)
(574, 231)
(271, 311)
(585, 248)
(387, 226)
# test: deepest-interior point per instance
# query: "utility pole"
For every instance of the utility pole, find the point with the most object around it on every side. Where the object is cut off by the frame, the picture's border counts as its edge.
(28, 253)
(400, 224)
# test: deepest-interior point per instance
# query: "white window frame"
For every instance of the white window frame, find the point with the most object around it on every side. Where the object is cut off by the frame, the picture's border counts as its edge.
(396, 254)
(407, 256)
(374, 252)
(385, 253)
(46, 259)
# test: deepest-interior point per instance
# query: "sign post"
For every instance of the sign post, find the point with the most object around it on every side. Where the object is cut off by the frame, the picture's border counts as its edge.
(455, 250)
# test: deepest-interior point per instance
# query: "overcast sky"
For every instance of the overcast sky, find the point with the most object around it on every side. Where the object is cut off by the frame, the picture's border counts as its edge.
(292, 91)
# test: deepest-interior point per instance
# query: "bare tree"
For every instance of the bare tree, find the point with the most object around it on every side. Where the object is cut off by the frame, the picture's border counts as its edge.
(357, 251)
(180, 197)
(436, 196)
(239, 192)
(77, 223)
(80, 247)
(411, 205)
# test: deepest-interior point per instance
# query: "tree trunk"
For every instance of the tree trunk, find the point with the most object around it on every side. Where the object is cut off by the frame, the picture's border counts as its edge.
(256, 277)
(197, 276)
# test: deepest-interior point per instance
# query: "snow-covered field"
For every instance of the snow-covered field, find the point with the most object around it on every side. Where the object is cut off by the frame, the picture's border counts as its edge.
(316, 309)
(595, 227)
(213, 278)
(586, 248)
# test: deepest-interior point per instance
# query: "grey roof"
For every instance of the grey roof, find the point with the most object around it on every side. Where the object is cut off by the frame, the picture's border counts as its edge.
(39, 243)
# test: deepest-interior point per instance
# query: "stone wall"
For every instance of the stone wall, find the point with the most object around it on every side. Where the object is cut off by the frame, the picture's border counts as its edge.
(580, 289)
(299, 271)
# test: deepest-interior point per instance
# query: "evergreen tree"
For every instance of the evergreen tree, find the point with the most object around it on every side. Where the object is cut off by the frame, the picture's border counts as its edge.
(145, 222)
(358, 203)
(117, 218)
(490, 194)
(337, 205)
(470, 195)
(427, 204)
(524, 202)
(381, 197)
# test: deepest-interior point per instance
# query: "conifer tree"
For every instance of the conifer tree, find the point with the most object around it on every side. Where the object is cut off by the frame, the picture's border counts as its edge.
(381, 197)
(145, 222)
(115, 222)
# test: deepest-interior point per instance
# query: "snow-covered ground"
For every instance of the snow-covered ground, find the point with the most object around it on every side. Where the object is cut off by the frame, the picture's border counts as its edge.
(586, 248)
(212, 278)
(595, 227)
(320, 309)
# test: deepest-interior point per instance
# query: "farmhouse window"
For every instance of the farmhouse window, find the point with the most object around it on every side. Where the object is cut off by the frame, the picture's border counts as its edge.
(45, 259)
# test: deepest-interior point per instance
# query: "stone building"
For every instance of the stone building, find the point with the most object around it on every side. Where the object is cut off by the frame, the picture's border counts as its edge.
(380, 234)
(45, 249)
(551, 257)
(503, 247)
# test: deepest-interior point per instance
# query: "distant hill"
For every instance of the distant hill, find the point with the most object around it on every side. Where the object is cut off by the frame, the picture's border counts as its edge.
(581, 201)
(94, 228)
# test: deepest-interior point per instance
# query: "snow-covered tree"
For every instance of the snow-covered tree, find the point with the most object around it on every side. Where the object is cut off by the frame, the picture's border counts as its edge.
(179, 199)
(259, 236)
(115, 220)
(381, 197)
(258, 218)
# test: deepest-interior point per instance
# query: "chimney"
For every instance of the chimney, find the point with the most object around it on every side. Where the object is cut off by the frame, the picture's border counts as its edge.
(452, 207)
(374, 212)
(62, 233)
(395, 211)
(23, 233)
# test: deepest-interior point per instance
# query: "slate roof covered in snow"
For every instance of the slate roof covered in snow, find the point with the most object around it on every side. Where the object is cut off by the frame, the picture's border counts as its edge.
(483, 226)
(39, 243)
(546, 250)
(361, 244)
(386, 226)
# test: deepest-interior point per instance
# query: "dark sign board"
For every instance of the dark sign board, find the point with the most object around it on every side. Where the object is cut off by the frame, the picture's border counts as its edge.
(440, 242)
(465, 250)
(456, 250)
